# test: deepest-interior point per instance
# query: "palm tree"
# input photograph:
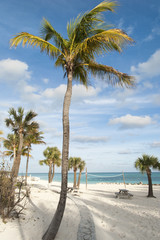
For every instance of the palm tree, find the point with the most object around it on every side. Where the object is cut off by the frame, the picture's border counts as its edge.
(52, 158)
(20, 124)
(11, 143)
(81, 169)
(32, 137)
(144, 164)
(74, 163)
(88, 37)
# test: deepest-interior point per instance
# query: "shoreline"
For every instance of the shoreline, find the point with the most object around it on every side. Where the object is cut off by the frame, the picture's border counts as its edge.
(114, 219)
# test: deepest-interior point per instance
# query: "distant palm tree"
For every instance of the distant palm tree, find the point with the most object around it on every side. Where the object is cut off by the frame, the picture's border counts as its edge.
(11, 143)
(52, 159)
(144, 164)
(20, 124)
(74, 163)
(81, 169)
(32, 137)
(88, 37)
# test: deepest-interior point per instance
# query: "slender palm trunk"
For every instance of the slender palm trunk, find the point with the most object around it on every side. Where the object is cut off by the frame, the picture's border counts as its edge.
(56, 221)
(27, 166)
(16, 163)
(50, 173)
(14, 153)
(75, 178)
(150, 188)
(79, 179)
(53, 171)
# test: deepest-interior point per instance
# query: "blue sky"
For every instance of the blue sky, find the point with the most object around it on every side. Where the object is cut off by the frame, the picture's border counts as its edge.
(110, 127)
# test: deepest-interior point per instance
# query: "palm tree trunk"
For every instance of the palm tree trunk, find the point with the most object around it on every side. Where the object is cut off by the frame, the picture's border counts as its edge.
(50, 173)
(150, 188)
(56, 221)
(75, 179)
(27, 167)
(16, 163)
(79, 179)
(53, 170)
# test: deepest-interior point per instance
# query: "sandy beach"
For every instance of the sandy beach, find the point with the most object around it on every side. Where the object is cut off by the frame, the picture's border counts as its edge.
(93, 212)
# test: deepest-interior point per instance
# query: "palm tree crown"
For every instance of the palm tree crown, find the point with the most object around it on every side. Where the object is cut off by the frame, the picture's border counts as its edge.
(88, 37)
(146, 162)
(20, 123)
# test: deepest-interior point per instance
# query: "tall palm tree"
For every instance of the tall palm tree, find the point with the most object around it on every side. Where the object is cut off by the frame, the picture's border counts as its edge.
(74, 163)
(81, 169)
(20, 124)
(32, 137)
(144, 164)
(88, 37)
(52, 158)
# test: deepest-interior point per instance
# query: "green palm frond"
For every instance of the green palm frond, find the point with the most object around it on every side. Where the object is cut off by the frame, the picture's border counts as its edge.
(105, 41)
(34, 41)
(48, 32)
(112, 76)
(81, 75)
(79, 29)
(146, 161)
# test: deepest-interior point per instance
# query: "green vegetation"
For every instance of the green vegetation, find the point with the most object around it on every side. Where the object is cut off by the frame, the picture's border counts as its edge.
(74, 163)
(81, 169)
(88, 37)
(52, 158)
(144, 164)
(33, 136)
(20, 124)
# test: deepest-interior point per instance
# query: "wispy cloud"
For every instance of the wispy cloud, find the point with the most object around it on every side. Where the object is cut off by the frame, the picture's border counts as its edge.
(154, 32)
(129, 121)
(88, 139)
(155, 145)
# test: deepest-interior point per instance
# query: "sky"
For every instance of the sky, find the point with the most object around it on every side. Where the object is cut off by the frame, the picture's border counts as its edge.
(110, 127)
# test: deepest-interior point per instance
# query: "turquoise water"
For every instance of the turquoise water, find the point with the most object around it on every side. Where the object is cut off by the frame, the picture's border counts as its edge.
(114, 177)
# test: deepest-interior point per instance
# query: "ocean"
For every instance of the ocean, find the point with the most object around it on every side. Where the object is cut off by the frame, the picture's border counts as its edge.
(105, 177)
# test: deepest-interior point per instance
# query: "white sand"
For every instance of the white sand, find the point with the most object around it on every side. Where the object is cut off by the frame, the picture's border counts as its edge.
(131, 219)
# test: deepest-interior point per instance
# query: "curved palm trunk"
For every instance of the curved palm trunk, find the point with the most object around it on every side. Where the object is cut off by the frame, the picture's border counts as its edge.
(16, 163)
(150, 189)
(56, 221)
(75, 178)
(79, 179)
(27, 167)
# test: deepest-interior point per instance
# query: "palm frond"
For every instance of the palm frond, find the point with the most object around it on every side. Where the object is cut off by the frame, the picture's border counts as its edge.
(79, 29)
(34, 41)
(48, 32)
(111, 75)
(80, 73)
(104, 41)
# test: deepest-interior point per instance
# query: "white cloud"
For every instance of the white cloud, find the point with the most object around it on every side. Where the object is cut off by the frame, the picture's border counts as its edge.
(148, 69)
(87, 139)
(12, 71)
(130, 121)
(155, 145)
(45, 80)
(101, 101)
(78, 92)
(16, 74)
